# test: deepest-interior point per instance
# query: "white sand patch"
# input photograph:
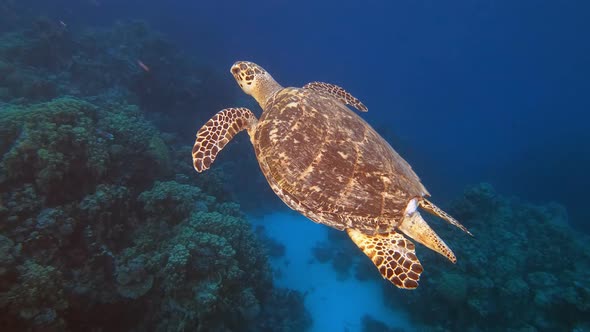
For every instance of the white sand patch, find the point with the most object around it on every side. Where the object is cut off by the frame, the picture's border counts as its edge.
(335, 305)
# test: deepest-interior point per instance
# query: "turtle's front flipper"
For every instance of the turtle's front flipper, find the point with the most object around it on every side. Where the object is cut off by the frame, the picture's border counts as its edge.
(217, 132)
(337, 92)
(393, 255)
(435, 210)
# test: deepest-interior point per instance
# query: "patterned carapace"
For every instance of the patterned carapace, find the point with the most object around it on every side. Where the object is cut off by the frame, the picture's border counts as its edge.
(327, 163)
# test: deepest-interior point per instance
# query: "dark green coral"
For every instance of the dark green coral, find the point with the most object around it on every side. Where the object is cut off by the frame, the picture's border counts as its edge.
(102, 213)
(52, 145)
(524, 268)
(71, 144)
(179, 200)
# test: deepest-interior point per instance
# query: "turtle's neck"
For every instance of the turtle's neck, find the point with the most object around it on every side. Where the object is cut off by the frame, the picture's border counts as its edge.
(265, 88)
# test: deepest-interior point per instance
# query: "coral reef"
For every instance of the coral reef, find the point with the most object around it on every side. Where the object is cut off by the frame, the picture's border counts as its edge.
(69, 143)
(524, 269)
(284, 311)
(128, 61)
(105, 66)
(46, 60)
(99, 213)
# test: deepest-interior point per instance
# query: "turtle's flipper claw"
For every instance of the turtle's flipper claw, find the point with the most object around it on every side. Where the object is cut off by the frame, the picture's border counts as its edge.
(217, 132)
(337, 92)
(392, 254)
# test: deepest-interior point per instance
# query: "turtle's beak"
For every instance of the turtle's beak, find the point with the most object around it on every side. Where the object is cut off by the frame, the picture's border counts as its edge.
(255, 81)
(244, 73)
(235, 70)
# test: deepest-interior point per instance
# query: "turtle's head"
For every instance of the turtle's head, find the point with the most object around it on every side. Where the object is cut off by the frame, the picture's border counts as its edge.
(255, 81)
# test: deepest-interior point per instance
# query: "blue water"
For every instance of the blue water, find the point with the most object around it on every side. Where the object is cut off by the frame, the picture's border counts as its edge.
(476, 89)
(487, 100)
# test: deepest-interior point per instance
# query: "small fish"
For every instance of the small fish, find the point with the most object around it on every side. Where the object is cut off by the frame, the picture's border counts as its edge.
(143, 66)
(63, 24)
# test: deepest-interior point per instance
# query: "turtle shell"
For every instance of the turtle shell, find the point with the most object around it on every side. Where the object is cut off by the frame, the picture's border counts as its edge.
(326, 162)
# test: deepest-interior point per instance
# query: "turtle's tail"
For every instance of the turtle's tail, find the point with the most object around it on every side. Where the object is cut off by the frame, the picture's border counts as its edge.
(435, 210)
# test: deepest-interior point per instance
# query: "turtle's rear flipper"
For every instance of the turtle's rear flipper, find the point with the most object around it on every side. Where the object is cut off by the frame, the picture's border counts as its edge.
(217, 132)
(393, 255)
(435, 210)
(338, 93)
(414, 226)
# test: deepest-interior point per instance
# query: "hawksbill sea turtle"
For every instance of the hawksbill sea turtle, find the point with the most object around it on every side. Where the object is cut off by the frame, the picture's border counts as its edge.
(327, 163)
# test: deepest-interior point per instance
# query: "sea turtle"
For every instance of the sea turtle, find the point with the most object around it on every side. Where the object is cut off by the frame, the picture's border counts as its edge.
(327, 163)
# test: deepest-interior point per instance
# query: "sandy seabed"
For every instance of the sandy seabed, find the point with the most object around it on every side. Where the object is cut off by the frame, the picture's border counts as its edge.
(335, 304)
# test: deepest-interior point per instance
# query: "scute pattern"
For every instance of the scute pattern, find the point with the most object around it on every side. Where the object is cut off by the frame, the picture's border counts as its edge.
(327, 163)
(337, 92)
(393, 255)
(324, 161)
(217, 132)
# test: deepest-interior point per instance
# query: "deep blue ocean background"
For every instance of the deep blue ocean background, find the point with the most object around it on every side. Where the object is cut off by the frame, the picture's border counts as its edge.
(475, 90)
(101, 211)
